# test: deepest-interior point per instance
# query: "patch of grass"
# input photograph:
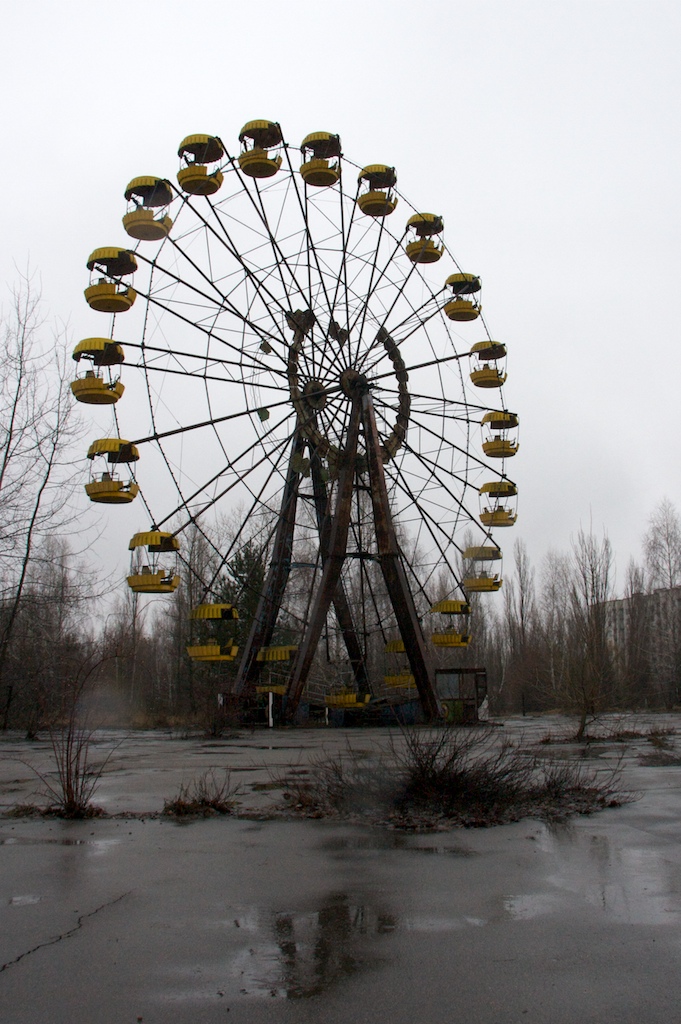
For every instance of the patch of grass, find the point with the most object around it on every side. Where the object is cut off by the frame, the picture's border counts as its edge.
(209, 795)
(451, 776)
(54, 811)
(660, 759)
(660, 738)
(24, 811)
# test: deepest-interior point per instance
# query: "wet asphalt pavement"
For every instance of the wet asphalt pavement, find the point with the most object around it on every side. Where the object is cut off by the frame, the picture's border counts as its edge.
(128, 920)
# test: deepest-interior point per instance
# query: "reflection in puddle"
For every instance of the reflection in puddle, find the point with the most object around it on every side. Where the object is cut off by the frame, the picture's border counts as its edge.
(636, 884)
(530, 905)
(391, 841)
(99, 845)
(310, 952)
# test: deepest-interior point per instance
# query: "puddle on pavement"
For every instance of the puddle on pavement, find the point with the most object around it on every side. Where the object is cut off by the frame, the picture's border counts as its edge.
(258, 746)
(23, 901)
(98, 844)
(633, 883)
(305, 954)
(392, 841)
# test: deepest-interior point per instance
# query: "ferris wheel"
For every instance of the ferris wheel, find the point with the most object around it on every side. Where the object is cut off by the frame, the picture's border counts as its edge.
(298, 346)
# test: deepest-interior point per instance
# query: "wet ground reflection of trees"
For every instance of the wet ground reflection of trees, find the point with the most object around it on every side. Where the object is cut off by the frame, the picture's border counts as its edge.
(321, 948)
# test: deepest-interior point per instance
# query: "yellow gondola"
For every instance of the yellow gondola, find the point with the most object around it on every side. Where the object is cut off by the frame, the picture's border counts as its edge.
(451, 639)
(498, 445)
(212, 646)
(423, 248)
(145, 195)
(458, 308)
(214, 611)
(147, 575)
(257, 139)
(496, 513)
(348, 700)
(400, 680)
(451, 635)
(91, 388)
(377, 199)
(283, 652)
(485, 371)
(105, 487)
(196, 152)
(110, 296)
(212, 652)
(320, 148)
(477, 578)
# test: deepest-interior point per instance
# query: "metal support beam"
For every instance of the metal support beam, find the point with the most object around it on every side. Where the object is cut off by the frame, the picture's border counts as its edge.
(340, 599)
(262, 627)
(338, 539)
(393, 571)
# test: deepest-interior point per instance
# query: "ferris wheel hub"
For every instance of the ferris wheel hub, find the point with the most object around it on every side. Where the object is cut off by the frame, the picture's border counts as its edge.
(314, 394)
(353, 382)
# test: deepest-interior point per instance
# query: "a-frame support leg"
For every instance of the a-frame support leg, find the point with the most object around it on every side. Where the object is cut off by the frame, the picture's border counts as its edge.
(393, 571)
(340, 600)
(262, 627)
(338, 539)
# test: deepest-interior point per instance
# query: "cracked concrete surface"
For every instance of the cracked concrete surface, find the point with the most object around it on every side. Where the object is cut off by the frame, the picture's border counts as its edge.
(274, 921)
(64, 935)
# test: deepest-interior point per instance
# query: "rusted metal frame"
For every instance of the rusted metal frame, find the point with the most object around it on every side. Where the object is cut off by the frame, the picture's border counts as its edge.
(338, 540)
(393, 571)
(340, 599)
(269, 603)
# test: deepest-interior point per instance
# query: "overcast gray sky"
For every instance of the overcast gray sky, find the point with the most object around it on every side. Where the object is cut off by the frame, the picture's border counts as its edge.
(546, 133)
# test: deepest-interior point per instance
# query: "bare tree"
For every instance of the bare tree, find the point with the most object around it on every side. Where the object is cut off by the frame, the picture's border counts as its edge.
(52, 633)
(662, 550)
(662, 546)
(589, 680)
(632, 637)
(36, 428)
(521, 629)
(554, 626)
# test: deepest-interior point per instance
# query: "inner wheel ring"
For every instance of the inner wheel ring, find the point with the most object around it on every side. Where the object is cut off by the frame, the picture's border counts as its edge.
(311, 396)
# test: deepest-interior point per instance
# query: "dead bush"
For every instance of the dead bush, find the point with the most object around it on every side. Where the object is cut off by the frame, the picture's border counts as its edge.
(209, 795)
(462, 776)
(343, 783)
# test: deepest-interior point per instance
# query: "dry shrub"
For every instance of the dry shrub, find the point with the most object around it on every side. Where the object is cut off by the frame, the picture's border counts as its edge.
(71, 784)
(462, 776)
(343, 783)
(454, 771)
(209, 795)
